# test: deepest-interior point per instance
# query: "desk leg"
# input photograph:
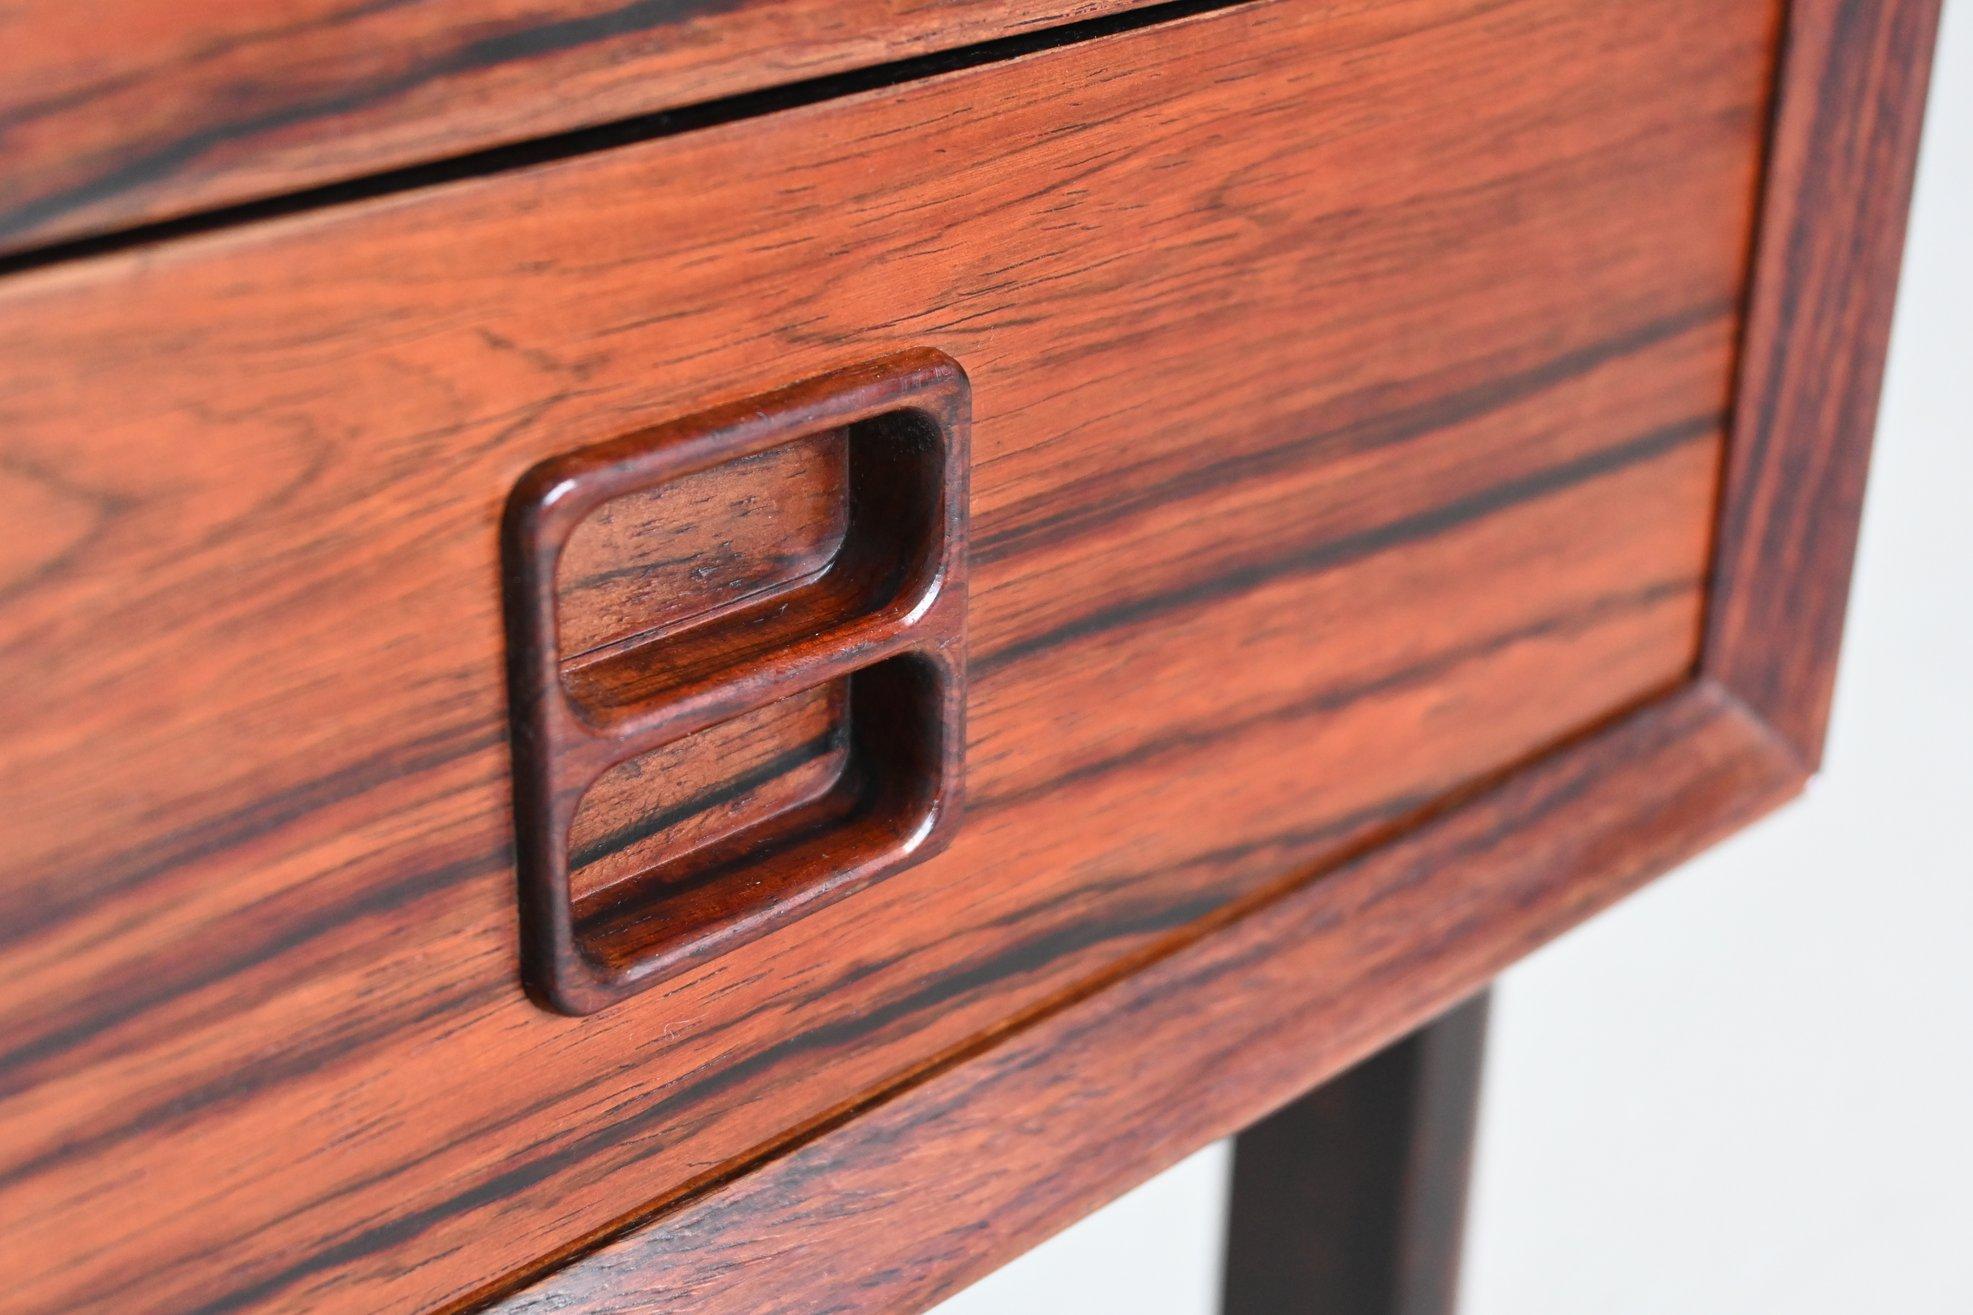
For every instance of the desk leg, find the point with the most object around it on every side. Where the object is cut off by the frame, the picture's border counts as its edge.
(1351, 1201)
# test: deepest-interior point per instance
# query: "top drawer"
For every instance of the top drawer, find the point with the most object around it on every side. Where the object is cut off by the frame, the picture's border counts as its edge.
(1346, 393)
(114, 112)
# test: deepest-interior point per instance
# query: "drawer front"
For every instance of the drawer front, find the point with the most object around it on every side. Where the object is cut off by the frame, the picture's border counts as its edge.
(124, 111)
(1347, 388)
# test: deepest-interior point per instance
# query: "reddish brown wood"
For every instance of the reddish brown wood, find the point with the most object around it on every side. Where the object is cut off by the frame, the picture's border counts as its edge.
(1838, 183)
(1826, 274)
(700, 546)
(737, 775)
(877, 626)
(1353, 1198)
(121, 111)
(1349, 385)
(1008, 1143)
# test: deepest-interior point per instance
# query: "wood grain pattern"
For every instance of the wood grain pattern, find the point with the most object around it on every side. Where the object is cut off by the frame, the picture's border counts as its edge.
(879, 627)
(1204, 1041)
(995, 1151)
(1353, 1197)
(694, 548)
(1831, 238)
(114, 112)
(706, 787)
(1348, 403)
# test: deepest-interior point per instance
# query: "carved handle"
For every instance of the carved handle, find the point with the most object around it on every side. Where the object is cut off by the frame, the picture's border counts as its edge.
(737, 671)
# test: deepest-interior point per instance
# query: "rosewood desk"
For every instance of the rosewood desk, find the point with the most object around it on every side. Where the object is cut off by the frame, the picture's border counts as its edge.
(736, 656)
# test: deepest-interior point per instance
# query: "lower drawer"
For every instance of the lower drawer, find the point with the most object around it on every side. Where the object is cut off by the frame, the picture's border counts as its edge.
(1347, 385)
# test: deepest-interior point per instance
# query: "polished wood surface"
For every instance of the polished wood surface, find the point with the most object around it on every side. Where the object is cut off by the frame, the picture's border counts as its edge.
(994, 1151)
(1353, 1198)
(877, 626)
(1303, 986)
(1826, 275)
(115, 112)
(1350, 385)
(682, 797)
(700, 546)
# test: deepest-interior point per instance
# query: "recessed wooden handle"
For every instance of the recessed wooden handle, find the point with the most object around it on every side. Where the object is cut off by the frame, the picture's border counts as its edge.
(737, 670)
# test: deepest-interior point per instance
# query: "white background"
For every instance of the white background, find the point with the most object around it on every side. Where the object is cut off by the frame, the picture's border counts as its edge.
(1749, 1089)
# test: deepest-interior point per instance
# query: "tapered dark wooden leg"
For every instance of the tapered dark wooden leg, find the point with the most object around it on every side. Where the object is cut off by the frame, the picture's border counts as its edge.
(1352, 1200)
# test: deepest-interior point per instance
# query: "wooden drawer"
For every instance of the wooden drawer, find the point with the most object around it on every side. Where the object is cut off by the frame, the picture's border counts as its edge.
(1348, 384)
(126, 111)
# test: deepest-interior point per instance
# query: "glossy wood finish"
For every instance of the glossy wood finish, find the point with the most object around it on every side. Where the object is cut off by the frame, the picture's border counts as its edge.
(683, 796)
(1010, 1142)
(700, 546)
(1310, 983)
(115, 112)
(1826, 275)
(1353, 1198)
(876, 627)
(1347, 448)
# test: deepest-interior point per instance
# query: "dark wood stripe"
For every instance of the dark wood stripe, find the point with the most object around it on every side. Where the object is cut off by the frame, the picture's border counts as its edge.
(153, 989)
(236, 1087)
(24, 919)
(1417, 675)
(1224, 1028)
(1145, 313)
(1022, 959)
(1826, 274)
(813, 1043)
(35, 901)
(1378, 417)
(1331, 554)
(738, 788)
(238, 162)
